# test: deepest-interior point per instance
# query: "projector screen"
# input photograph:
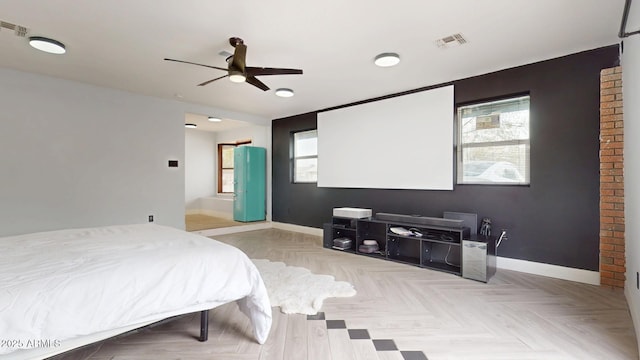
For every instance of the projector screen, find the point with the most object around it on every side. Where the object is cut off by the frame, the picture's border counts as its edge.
(404, 142)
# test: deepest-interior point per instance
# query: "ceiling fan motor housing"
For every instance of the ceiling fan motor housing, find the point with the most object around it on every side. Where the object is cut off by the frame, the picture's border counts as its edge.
(238, 72)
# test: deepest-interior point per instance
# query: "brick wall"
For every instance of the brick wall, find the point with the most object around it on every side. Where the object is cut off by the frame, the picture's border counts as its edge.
(612, 251)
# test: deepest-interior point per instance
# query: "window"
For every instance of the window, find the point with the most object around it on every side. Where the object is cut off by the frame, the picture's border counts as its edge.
(225, 168)
(493, 145)
(305, 156)
(225, 165)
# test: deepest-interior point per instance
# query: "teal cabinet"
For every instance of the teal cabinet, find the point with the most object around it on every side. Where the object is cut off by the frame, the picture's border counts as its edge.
(249, 181)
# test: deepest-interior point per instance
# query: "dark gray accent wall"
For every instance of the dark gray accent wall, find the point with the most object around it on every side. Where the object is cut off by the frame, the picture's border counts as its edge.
(554, 220)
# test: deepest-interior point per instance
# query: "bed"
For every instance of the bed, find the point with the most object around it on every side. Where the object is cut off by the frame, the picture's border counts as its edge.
(68, 288)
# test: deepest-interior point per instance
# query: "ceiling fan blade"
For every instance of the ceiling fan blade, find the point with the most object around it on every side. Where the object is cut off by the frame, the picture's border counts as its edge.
(257, 83)
(210, 81)
(239, 57)
(192, 63)
(257, 71)
(237, 69)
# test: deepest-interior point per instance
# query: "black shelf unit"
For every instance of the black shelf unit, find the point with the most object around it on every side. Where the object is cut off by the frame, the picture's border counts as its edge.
(342, 228)
(439, 247)
(372, 230)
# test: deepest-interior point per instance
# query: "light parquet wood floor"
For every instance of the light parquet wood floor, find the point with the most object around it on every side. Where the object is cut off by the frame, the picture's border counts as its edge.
(195, 222)
(515, 316)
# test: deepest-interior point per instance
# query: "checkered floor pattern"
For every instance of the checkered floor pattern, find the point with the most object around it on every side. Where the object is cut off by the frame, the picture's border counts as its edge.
(363, 334)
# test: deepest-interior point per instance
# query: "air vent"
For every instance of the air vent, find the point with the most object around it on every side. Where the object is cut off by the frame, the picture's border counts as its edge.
(17, 29)
(451, 41)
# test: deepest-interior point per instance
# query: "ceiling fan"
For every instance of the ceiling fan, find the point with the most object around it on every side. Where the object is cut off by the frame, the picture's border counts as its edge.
(237, 71)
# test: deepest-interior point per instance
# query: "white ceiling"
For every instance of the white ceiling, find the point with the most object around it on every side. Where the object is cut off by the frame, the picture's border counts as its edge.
(121, 44)
(202, 122)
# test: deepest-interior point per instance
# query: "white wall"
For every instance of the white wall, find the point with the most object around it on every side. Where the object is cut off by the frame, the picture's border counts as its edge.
(76, 155)
(258, 134)
(200, 166)
(631, 90)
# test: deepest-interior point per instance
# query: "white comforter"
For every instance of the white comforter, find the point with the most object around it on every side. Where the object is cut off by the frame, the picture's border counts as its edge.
(65, 284)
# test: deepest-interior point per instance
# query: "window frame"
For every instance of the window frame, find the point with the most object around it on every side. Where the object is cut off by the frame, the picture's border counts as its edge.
(460, 146)
(294, 158)
(221, 146)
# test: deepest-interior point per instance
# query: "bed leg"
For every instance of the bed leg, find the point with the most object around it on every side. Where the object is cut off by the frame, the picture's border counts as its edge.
(204, 325)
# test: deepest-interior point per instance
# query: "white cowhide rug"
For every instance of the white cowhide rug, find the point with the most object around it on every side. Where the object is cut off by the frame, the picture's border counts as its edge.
(298, 291)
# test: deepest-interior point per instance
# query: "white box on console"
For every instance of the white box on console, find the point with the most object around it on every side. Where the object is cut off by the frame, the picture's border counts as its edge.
(356, 213)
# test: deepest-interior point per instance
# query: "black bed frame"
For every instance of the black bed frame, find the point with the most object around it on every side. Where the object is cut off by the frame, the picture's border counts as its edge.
(204, 331)
(204, 325)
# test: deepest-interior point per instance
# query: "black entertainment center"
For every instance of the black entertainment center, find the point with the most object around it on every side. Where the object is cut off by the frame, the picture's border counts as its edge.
(434, 243)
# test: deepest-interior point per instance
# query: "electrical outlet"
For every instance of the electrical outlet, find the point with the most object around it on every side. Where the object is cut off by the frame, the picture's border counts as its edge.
(150, 218)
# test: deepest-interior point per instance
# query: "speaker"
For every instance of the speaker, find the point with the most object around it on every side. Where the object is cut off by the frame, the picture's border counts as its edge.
(420, 220)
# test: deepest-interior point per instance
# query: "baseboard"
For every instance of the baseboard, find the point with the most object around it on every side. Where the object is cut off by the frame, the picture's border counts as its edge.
(260, 226)
(554, 271)
(297, 228)
(234, 229)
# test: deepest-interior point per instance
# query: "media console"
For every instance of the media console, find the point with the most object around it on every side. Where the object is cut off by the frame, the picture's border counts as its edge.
(434, 243)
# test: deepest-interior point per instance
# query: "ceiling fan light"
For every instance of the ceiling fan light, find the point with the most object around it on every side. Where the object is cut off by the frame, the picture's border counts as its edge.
(47, 45)
(214, 119)
(387, 59)
(190, 126)
(237, 78)
(284, 92)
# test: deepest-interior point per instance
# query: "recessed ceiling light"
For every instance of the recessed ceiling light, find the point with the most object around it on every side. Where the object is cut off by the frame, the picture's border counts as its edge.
(387, 59)
(284, 92)
(214, 119)
(47, 45)
(190, 126)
